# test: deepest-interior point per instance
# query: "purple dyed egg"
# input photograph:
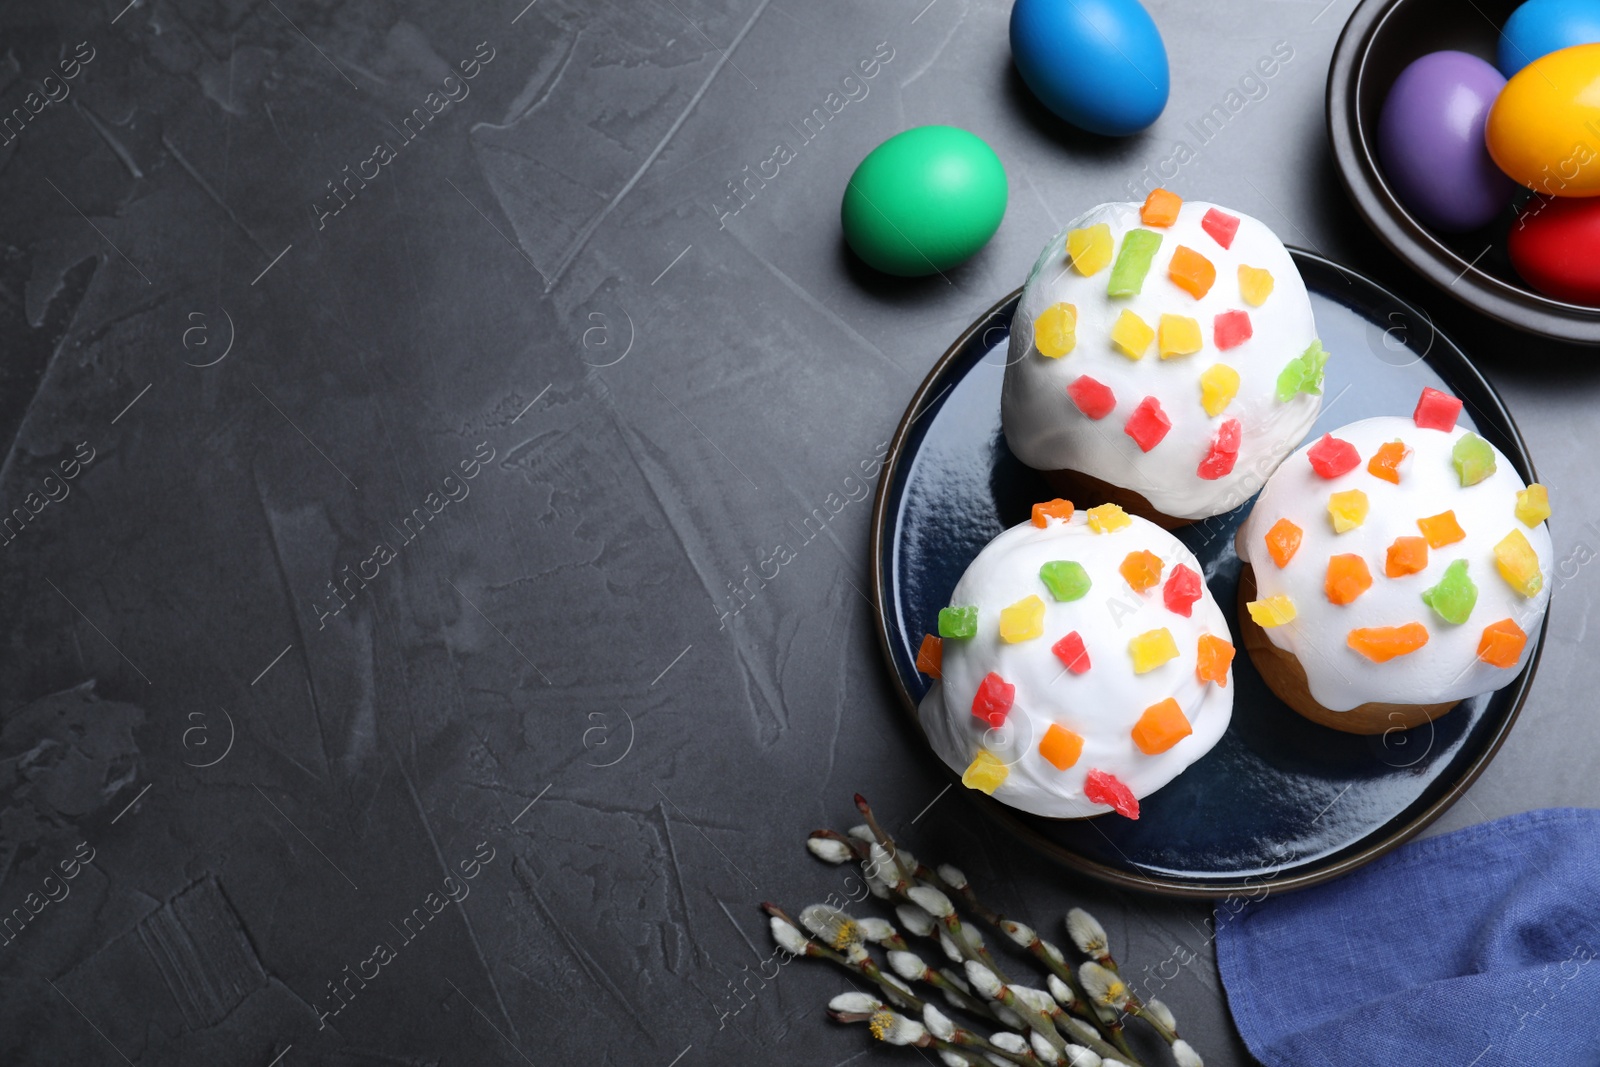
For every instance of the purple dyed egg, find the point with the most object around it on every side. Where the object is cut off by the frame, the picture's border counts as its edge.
(1430, 140)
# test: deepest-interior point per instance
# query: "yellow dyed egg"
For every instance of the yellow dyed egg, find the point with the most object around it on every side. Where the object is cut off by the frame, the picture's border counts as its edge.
(1544, 128)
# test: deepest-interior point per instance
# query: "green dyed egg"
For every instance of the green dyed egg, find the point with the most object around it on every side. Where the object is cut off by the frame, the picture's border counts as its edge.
(924, 201)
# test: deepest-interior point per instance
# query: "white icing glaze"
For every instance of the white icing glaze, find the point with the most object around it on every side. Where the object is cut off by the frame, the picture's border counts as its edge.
(1047, 431)
(1447, 667)
(1103, 704)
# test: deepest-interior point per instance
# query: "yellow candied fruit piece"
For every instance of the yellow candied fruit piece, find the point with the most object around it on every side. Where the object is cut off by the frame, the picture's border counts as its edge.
(1177, 335)
(1055, 331)
(1022, 621)
(1273, 611)
(1533, 505)
(1255, 285)
(1519, 564)
(1151, 649)
(986, 773)
(1219, 384)
(1131, 335)
(1347, 510)
(1090, 248)
(1107, 518)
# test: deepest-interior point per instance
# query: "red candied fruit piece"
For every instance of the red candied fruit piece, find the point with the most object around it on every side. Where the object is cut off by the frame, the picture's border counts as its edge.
(1093, 398)
(1221, 226)
(1224, 452)
(1148, 424)
(1231, 329)
(1436, 410)
(1070, 651)
(993, 699)
(1331, 457)
(1181, 591)
(1107, 789)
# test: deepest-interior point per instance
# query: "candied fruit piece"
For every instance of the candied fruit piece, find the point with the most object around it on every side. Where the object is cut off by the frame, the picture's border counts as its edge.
(1303, 373)
(1160, 208)
(1255, 285)
(1089, 248)
(1131, 335)
(1060, 747)
(1273, 611)
(1224, 451)
(930, 657)
(1455, 596)
(1219, 384)
(1066, 579)
(958, 621)
(1151, 649)
(1177, 335)
(1230, 329)
(1533, 504)
(1107, 518)
(1181, 591)
(1212, 659)
(1381, 644)
(1191, 272)
(1148, 424)
(1441, 529)
(1407, 555)
(1473, 458)
(1055, 331)
(1331, 457)
(1051, 509)
(1348, 577)
(1102, 788)
(1221, 226)
(1133, 262)
(993, 699)
(1160, 727)
(1093, 398)
(1436, 411)
(1283, 541)
(1385, 461)
(1519, 564)
(1502, 643)
(1347, 509)
(1022, 621)
(986, 773)
(1070, 651)
(1142, 569)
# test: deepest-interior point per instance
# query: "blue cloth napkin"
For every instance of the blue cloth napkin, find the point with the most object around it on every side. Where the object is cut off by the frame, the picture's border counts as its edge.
(1472, 949)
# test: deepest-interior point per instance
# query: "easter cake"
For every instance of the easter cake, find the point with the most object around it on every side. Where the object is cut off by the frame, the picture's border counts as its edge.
(1164, 357)
(1082, 664)
(1392, 569)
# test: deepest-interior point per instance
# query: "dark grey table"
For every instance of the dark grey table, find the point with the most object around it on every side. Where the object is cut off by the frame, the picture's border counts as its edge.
(390, 443)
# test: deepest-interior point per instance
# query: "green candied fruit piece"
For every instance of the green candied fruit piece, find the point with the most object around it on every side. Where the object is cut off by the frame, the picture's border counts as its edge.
(1455, 596)
(958, 621)
(1133, 262)
(1473, 458)
(1303, 373)
(1066, 579)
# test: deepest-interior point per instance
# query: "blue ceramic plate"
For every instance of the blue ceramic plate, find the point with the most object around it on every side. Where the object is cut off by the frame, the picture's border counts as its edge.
(1280, 802)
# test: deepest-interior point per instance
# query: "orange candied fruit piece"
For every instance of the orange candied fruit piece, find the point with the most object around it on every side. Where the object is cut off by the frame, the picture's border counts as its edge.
(1407, 555)
(1061, 747)
(1212, 660)
(1386, 459)
(1160, 208)
(1502, 643)
(1381, 644)
(1441, 529)
(1142, 569)
(1051, 509)
(1191, 272)
(1160, 727)
(1283, 541)
(930, 657)
(1348, 577)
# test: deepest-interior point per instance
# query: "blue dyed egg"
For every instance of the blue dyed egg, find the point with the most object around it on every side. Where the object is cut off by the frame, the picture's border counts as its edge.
(1099, 64)
(1540, 27)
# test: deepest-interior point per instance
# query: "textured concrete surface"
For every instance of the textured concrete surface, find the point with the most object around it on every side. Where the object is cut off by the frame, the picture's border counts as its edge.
(391, 442)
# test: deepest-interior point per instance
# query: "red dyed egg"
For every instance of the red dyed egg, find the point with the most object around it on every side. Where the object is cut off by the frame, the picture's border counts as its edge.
(1555, 246)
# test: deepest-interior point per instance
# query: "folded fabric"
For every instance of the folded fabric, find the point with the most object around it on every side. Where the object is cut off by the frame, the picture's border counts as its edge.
(1472, 949)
